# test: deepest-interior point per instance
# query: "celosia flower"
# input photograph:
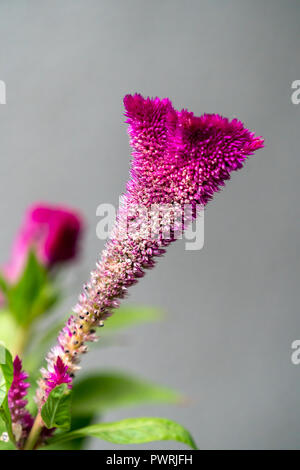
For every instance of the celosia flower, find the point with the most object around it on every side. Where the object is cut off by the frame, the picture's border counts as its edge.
(21, 418)
(53, 232)
(178, 158)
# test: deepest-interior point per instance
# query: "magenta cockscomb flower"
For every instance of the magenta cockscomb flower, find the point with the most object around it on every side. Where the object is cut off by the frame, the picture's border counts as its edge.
(178, 159)
(53, 232)
(22, 420)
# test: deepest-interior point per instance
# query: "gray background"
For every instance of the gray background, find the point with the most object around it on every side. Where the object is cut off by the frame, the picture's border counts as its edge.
(233, 308)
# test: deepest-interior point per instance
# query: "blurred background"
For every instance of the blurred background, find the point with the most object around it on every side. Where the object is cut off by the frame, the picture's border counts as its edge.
(233, 307)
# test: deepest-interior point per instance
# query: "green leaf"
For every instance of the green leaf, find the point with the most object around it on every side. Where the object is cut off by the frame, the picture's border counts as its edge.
(99, 392)
(8, 328)
(33, 294)
(23, 295)
(75, 444)
(3, 284)
(125, 317)
(5, 445)
(56, 412)
(7, 372)
(133, 431)
(47, 298)
(6, 378)
(39, 347)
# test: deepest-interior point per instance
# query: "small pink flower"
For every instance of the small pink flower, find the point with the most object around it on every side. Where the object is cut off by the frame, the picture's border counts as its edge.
(53, 232)
(58, 376)
(21, 418)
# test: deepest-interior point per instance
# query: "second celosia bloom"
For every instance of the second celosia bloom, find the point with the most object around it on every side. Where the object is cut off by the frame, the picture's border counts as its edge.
(52, 232)
(21, 418)
(177, 159)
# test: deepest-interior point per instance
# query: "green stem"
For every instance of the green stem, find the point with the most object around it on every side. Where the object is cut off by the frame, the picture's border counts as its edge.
(34, 433)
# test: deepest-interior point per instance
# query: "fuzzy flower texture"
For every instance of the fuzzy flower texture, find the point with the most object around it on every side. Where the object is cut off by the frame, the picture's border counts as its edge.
(178, 158)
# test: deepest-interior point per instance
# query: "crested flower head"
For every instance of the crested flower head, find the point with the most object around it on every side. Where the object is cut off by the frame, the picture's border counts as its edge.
(177, 159)
(181, 158)
(53, 232)
(21, 418)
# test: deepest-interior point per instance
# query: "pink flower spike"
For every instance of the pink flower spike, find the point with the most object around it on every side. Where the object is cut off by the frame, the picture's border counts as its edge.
(22, 420)
(178, 159)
